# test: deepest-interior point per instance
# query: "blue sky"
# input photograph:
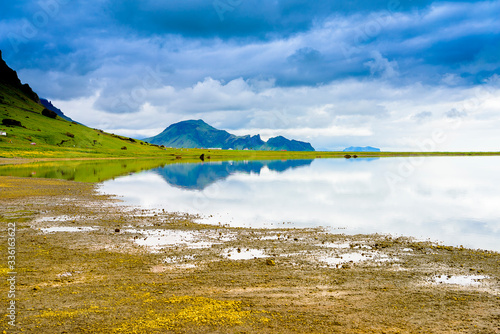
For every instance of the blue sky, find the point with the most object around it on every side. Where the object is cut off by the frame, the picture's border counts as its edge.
(400, 75)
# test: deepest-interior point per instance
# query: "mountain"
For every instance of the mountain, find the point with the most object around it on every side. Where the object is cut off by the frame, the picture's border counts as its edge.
(285, 144)
(198, 134)
(361, 149)
(48, 104)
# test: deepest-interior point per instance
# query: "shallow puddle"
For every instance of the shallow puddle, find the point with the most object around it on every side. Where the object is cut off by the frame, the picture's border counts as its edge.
(460, 279)
(243, 254)
(354, 258)
(335, 245)
(67, 229)
(56, 219)
(157, 239)
(270, 237)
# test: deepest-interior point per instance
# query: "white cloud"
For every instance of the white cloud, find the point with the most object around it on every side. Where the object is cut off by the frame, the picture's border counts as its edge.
(454, 113)
(422, 116)
(382, 66)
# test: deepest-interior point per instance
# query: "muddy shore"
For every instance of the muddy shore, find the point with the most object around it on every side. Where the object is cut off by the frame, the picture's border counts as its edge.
(87, 265)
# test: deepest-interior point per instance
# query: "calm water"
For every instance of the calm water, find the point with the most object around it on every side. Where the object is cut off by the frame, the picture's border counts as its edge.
(455, 200)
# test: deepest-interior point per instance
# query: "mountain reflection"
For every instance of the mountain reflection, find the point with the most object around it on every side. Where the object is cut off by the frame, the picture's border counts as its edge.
(198, 176)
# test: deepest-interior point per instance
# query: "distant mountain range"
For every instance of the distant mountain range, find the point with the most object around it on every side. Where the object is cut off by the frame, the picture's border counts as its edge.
(198, 134)
(361, 149)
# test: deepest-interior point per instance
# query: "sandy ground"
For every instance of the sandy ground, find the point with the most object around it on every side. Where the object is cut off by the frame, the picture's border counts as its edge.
(84, 264)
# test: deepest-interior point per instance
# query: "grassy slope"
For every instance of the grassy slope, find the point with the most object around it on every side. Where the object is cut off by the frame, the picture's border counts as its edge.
(53, 136)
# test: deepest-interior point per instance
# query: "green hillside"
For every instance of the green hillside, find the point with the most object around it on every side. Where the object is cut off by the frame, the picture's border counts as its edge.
(42, 136)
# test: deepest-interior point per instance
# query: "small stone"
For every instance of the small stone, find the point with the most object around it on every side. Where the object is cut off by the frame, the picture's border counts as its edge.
(117, 230)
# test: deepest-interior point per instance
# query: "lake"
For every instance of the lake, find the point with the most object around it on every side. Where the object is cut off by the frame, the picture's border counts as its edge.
(454, 200)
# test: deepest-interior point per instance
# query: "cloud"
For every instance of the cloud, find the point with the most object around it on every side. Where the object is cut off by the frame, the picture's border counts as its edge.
(305, 55)
(451, 79)
(422, 116)
(380, 66)
(258, 19)
(454, 113)
(294, 44)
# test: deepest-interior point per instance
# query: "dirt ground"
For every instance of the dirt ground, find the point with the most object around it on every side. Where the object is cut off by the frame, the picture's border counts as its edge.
(86, 265)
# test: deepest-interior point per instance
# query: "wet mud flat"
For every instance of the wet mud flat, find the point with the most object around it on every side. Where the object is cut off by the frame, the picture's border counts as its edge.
(85, 264)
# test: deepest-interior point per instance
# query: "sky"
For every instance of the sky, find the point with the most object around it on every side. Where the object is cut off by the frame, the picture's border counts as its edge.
(395, 74)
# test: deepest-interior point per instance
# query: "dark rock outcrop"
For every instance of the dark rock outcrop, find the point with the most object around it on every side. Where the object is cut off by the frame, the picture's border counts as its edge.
(9, 77)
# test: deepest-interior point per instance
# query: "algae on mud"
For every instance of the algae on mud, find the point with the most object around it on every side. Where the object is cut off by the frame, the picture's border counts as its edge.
(99, 280)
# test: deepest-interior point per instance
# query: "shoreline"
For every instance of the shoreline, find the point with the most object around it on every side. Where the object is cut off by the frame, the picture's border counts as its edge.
(85, 264)
(193, 154)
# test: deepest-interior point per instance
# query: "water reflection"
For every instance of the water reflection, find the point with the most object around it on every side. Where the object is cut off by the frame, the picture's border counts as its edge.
(449, 199)
(198, 176)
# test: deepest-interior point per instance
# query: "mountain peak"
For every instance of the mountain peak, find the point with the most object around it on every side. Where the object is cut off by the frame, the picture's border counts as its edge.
(189, 125)
(194, 121)
(190, 122)
(9, 77)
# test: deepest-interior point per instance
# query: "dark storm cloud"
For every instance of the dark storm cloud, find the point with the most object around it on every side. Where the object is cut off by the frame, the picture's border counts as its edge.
(238, 18)
(322, 41)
